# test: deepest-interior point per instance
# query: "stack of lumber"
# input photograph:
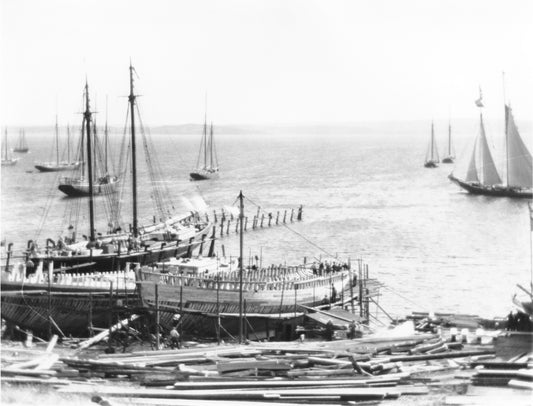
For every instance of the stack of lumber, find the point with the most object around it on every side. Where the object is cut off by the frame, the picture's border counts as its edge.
(369, 369)
(517, 373)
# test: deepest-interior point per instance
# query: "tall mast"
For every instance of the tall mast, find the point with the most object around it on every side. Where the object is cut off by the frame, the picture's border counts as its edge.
(205, 133)
(87, 119)
(211, 145)
(432, 140)
(68, 143)
(105, 137)
(57, 143)
(449, 139)
(131, 99)
(5, 143)
(505, 130)
(241, 260)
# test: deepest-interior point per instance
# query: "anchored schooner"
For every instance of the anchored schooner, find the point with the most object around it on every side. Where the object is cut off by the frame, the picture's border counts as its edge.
(22, 146)
(7, 159)
(432, 155)
(448, 159)
(209, 168)
(173, 236)
(483, 178)
(57, 165)
(93, 177)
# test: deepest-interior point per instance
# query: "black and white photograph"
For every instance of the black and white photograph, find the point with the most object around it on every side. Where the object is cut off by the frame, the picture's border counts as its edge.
(266, 202)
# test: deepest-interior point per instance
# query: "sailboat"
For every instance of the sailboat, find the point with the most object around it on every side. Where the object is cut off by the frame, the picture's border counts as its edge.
(93, 177)
(432, 155)
(448, 159)
(209, 168)
(7, 159)
(482, 177)
(22, 147)
(58, 165)
(175, 236)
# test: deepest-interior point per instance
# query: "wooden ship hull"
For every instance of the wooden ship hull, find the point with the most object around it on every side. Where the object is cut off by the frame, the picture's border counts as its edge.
(9, 162)
(77, 188)
(448, 160)
(99, 260)
(72, 312)
(479, 189)
(52, 167)
(203, 175)
(203, 302)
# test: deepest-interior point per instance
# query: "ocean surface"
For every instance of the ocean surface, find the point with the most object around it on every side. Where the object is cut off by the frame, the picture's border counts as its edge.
(364, 195)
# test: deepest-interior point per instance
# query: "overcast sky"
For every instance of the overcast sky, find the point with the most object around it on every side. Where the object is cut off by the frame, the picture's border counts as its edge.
(265, 61)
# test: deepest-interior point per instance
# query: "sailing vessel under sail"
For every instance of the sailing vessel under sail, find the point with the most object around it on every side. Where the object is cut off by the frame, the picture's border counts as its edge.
(448, 159)
(58, 165)
(432, 155)
(483, 178)
(22, 146)
(7, 159)
(209, 168)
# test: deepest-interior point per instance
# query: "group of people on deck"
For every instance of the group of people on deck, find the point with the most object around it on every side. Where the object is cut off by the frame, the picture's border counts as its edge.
(326, 267)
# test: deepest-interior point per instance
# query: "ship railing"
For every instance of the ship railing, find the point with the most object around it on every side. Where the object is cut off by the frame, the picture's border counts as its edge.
(222, 282)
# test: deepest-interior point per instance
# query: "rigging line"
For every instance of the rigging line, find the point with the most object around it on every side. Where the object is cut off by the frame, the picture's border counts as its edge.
(401, 296)
(297, 233)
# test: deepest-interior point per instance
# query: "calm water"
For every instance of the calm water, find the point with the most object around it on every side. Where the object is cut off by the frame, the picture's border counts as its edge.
(364, 195)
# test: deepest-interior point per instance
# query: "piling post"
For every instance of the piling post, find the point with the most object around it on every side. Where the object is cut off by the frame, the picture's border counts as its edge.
(245, 222)
(254, 223)
(269, 218)
(156, 291)
(292, 215)
(227, 228)
(110, 314)
(300, 212)
(284, 216)
(221, 228)
(91, 313)
(215, 216)
(277, 217)
(50, 276)
(206, 218)
(237, 225)
(262, 218)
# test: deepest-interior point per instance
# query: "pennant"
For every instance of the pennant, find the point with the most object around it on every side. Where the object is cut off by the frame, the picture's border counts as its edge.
(479, 102)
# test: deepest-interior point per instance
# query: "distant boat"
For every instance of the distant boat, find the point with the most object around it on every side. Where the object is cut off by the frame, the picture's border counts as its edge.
(102, 182)
(209, 168)
(482, 177)
(7, 159)
(448, 159)
(22, 146)
(432, 155)
(58, 165)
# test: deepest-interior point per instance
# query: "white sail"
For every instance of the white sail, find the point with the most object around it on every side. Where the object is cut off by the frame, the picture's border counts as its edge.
(519, 166)
(471, 174)
(488, 169)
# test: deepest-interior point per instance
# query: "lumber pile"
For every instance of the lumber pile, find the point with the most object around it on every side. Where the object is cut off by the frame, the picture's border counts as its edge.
(378, 367)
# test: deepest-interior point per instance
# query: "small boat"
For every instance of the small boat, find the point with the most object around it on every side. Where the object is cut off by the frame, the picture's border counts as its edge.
(482, 177)
(209, 168)
(432, 155)
(58, 165)
(22, 146)
(7, 159)
(449, 159)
